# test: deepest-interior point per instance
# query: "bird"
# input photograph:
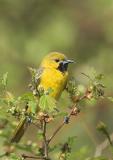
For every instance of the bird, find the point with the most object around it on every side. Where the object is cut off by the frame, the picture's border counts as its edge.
(52, 73)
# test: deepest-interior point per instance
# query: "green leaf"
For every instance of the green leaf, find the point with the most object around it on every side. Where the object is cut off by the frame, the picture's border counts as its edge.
(71, 140)
(50, 90)
(40, 135)
(14, 156)
(110, 98)
(4, 79)
(71, 87)
(47, 103)
(99, 76)
(33, 106)
(82, 153)
(27, 97)
(101, 126)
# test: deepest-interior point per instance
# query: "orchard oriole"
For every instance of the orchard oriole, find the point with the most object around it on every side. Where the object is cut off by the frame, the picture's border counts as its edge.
(53, 74)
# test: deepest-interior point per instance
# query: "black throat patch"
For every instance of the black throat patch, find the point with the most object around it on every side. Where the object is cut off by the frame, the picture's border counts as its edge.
(62, 67)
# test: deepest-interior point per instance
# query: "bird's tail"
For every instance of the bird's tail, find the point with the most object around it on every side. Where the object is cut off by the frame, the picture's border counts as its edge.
(20, 130)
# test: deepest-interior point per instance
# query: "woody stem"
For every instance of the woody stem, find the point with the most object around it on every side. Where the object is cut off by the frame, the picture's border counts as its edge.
(45, 140)
(62, 124)
(73, 110)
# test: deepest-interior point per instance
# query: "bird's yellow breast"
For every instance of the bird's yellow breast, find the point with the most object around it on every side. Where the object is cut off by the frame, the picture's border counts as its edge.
(54, 79)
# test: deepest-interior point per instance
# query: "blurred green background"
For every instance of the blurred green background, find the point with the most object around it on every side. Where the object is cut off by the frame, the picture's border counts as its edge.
(83, 30)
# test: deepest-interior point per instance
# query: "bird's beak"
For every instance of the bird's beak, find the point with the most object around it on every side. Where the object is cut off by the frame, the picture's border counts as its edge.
(67, 61)
(70, 61)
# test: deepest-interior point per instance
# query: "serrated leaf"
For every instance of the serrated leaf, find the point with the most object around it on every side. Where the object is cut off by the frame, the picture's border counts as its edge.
(33, 106)
(47, 103)
(27, 97)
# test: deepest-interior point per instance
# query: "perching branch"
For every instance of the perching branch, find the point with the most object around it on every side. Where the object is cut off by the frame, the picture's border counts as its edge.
(74, 111)
(45, 139)
(65, 121)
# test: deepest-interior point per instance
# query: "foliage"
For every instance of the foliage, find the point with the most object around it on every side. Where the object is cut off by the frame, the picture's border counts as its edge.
(38, 108)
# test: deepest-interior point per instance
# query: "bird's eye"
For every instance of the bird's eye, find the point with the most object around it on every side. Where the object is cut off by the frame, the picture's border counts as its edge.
(57, 60)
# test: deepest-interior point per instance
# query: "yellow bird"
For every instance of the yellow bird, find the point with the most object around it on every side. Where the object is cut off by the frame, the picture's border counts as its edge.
(54, 75)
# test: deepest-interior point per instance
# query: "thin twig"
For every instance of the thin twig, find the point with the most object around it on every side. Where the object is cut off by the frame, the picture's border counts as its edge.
(74, 111)
(32, 157)
(45, 140)
(63, 123)
(56, 131)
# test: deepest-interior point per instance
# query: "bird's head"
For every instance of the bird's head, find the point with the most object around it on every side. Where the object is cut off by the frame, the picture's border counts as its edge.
(57, 61)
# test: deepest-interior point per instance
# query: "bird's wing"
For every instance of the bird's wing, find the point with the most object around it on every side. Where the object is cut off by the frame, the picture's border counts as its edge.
(36, 75)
